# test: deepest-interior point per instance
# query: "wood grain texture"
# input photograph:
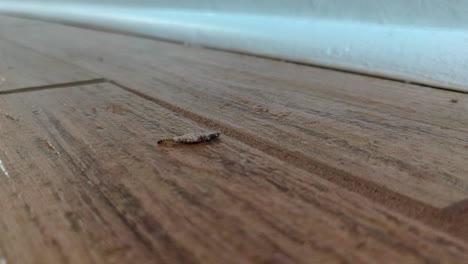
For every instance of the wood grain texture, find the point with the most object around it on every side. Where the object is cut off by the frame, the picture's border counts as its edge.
(84, 181)
(21, 67)
(409, 139)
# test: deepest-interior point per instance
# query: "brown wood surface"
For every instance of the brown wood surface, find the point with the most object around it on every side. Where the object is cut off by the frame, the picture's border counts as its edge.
(86, 182)
(21, 67)
(314, 165)
(412, 140)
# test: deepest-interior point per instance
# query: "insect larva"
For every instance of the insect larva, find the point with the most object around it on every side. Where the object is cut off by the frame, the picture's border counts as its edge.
(191, 138)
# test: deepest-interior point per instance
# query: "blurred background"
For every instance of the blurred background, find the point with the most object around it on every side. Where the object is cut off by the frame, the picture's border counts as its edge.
(418, 41)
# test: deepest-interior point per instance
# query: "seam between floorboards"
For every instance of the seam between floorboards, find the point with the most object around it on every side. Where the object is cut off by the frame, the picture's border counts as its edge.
(54, 86)
(285, 155)
(414, 208)
(298, 160)
(437, 218)
(339, 69)
(92, 27)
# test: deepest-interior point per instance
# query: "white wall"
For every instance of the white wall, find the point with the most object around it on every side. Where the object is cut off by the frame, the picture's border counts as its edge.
(438, 13)
(422, 41)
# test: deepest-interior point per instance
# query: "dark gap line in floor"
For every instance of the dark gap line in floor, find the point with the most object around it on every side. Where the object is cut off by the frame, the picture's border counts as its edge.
(54, 86)
(451, 223)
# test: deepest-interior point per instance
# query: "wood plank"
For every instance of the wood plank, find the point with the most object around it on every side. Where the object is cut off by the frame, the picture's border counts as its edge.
(50, 212)
(81, 169)
(409, 139)
(21, 67)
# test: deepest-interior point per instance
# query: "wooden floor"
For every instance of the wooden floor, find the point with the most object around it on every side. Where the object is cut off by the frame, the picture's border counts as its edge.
(313, 165)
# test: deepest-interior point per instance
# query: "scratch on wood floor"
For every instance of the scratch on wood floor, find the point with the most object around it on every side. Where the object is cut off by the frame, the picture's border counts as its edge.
(49, 146)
